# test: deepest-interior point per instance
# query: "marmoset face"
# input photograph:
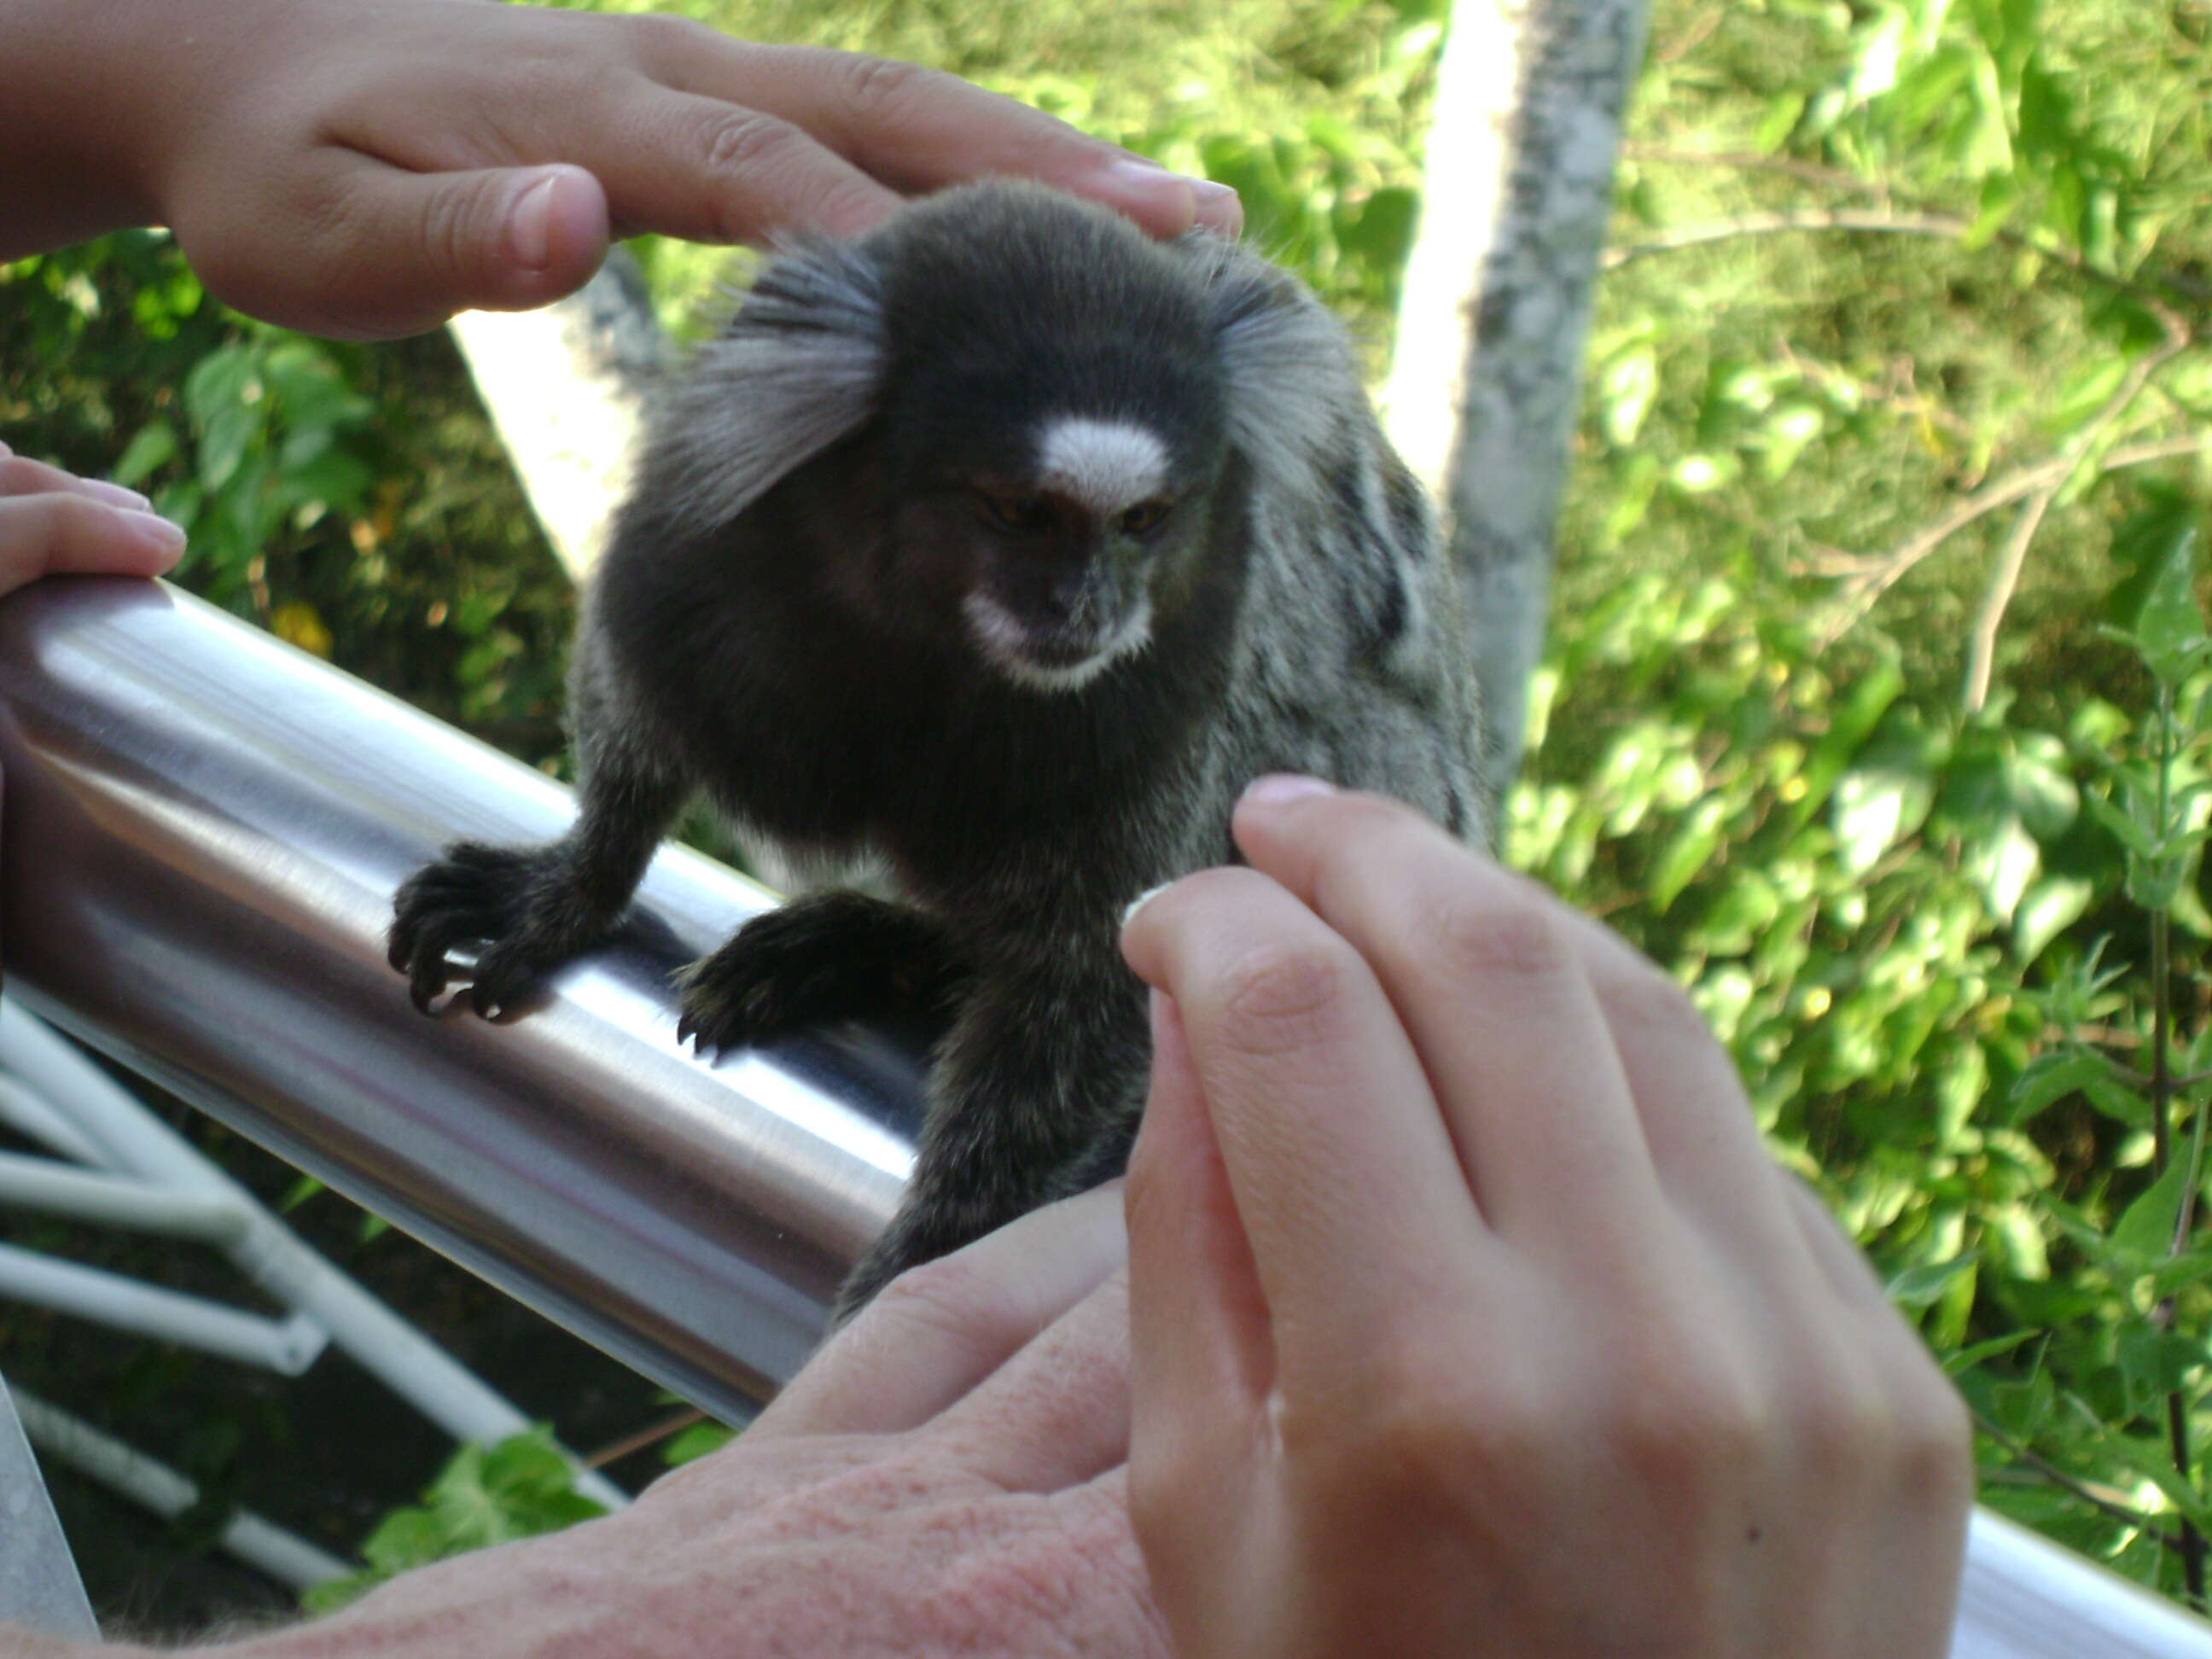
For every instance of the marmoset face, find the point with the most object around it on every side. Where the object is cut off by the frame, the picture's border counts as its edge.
(1060, 548)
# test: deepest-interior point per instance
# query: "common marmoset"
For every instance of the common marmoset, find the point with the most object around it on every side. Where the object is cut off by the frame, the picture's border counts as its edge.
(1005, 545)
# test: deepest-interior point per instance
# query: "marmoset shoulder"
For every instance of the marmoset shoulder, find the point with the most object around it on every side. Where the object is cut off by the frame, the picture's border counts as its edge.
(1002, 546)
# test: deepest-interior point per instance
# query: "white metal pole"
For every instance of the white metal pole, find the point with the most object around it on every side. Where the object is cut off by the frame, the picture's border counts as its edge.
(129, 1138)
(282, 1555)
(287, 1347)
(52, 1189)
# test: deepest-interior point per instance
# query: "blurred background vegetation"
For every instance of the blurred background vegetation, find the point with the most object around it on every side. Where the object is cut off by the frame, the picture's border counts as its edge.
(1874, 703)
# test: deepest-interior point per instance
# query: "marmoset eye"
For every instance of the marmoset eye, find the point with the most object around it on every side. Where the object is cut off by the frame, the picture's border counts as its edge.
(1021, 515)
(1143, 517)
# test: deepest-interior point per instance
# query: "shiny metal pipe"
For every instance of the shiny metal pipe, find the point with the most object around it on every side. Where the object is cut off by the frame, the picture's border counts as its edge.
(202, 831)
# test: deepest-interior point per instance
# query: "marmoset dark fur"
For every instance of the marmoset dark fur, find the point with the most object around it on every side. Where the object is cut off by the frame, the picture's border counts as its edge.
(1004, 545)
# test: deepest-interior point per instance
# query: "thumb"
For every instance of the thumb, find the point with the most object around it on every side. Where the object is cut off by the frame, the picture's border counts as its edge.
(397, 253)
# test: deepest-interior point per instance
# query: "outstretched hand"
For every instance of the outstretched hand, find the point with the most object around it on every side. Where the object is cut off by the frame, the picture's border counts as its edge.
(1468, 1314)
(367, 172)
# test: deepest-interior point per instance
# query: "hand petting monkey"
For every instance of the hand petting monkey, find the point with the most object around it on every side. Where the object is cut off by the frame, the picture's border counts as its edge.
(367, 172)
(1002, 546)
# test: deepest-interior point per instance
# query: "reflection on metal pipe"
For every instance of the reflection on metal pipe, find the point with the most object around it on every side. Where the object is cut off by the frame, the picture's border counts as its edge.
(202, 831)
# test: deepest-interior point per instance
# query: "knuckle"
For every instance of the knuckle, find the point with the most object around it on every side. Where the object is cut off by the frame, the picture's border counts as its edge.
(743, 140)
(1643, 1001)
(1935, 1435)
(879, 91)
(1843, 1424)
(1443, 1448)
(949, 1298)
(446, 227)
(1688, 1426)
(1280, 996)
(1496, 929)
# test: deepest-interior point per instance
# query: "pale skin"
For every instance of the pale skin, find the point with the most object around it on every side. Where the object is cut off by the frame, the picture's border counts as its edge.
(1451, 1305)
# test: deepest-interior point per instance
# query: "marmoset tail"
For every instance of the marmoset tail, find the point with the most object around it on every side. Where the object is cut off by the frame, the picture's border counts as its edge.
(1004, 546)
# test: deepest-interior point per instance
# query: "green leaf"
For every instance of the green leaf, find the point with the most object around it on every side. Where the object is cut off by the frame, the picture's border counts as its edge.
(696, 1442)
(1967, 1358)
(2169, 623)
(2052, 1076)
(1687, 853)
(2001, 862)
(2046, 909)
(154, 445)
(2146, 1227)
(218, 382)
(2193, 1267)
(230, 430)
(1872, 809)
(1849, 724)
(1917, 1288)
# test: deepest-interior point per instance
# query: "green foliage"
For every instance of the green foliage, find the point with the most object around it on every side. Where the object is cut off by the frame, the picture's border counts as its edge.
(694, 1442)
(352, 499)
(485, 1495)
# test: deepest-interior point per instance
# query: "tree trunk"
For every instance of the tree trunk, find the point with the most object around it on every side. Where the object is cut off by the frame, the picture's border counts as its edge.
(1484, 383)
(565, 387)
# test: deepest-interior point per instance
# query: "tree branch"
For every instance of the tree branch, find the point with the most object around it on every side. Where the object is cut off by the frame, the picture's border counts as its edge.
(1871, 576)
(2158, 285)
(2004, 581)
(2110, 1506)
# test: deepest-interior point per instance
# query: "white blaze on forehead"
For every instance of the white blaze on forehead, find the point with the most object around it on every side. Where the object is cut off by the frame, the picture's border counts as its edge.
(1108, 466)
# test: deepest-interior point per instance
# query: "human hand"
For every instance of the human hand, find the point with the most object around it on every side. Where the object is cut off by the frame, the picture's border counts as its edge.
(52, 522)
(1469, 1315)
(368, 172)
(946, 1477)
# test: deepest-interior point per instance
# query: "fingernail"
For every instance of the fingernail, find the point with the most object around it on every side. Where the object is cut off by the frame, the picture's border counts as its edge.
(1281, 788)
(1151, 178)
(152, 531)
(530, 225)
(1142, 900)
(113, 494)
(1219, 206)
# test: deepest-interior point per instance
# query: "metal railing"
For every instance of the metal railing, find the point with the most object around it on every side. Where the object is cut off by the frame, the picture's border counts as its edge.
(202, 830)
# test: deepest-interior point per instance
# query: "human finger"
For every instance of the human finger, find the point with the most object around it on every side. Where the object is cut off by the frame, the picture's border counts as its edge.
(921, 130)
(56, 533)
(714, 169)
(21, 475)
(1343, 1174)
(388, 251)
(1056, 1414)
(1198, 1328)
(938, 1330)
(1482, 969)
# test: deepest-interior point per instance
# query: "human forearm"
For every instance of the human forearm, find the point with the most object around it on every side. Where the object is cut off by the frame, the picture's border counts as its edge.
(77, 116)
(370, 171)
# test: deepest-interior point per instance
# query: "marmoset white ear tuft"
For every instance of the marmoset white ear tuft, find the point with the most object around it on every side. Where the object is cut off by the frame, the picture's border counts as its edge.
(797, 369)
(1290, 372)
